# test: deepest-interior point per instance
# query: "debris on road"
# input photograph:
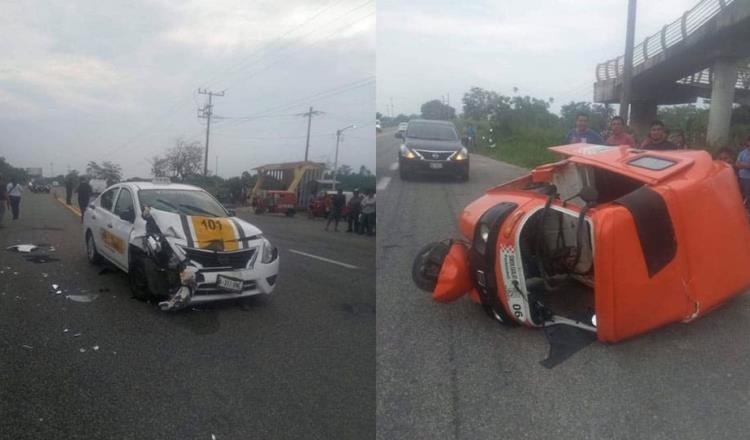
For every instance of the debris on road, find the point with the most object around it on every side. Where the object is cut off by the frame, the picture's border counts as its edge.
(95, 347)
(82, 350)
(82, 298)
(21, 247)
(56, 289)
(28, 347)
(41, 258)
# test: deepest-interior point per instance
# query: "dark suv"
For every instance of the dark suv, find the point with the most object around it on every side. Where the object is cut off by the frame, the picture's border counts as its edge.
(432, 146)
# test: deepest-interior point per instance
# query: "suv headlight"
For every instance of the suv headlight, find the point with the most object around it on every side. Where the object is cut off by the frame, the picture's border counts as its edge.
(269, 253)
(407, 153)
(461, 154)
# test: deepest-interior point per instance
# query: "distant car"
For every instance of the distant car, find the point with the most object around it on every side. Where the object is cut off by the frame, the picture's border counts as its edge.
(167, 236)
(607, 240)
(432, 147)
(402, 127)
(378, 127)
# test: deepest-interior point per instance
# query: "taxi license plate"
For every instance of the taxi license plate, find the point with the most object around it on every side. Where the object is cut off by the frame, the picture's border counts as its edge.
(436, 165)
(231, 284)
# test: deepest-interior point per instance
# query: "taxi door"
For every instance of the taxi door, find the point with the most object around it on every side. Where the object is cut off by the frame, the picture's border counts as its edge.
(103, 217)
(121, 226)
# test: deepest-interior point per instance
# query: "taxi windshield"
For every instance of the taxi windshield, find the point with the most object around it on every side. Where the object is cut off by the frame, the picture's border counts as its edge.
(182, 202)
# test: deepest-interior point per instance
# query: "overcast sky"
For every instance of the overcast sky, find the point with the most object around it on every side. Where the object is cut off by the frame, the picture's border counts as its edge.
(103, 80)
(546, 48)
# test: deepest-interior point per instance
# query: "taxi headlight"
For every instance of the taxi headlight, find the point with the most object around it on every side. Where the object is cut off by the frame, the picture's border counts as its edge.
(270, 252)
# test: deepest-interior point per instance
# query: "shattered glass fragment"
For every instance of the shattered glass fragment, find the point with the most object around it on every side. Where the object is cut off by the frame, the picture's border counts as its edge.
(82, 298)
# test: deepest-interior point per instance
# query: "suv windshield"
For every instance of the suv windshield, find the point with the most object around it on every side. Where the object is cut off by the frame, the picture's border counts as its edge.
(182, 202)
(433, 132)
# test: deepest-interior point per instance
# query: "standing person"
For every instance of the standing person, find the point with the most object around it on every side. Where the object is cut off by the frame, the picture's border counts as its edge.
(678, 139)
(657, 138)
(338, 201)
(3, 198)
(84, 191)
(69, 184)
(355, 206)
(582, 133)
(368, 212)
(743, 165)
(14, 196)
(619, 136)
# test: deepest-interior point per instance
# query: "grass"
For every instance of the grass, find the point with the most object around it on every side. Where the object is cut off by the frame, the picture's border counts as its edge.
(526, 147)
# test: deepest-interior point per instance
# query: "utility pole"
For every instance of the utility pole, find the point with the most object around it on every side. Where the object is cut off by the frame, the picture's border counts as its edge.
(206, 113)
(393, 115)
(309, 115)
(216, 166)
(627, 68)
(336, 160)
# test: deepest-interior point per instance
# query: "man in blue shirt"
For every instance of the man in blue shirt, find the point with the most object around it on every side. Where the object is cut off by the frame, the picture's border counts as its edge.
(582, 134)
(743, 165)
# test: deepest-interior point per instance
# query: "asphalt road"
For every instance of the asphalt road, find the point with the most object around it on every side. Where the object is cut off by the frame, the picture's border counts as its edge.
(449, 372)
(298, 365)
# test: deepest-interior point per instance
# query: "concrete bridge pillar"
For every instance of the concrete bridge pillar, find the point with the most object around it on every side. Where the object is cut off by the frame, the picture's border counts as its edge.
(642, 113)
(722, 97)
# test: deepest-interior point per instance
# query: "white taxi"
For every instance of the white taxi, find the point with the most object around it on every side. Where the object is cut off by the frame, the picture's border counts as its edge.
(172, 238)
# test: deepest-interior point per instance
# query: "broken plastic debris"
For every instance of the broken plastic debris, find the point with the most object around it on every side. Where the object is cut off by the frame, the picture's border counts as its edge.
(40, 258)
(76, 335)
(44, 275)
(213, 437)
(65, 330)
(82, 298)
(28, 347)
(82, 350)
(95, 347)
(22, 247)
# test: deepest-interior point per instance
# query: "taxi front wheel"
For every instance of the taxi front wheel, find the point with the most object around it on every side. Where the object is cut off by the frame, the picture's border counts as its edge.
(91, 253)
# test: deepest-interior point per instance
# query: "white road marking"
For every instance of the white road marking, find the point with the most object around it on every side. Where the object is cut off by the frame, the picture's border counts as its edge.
(394, 166)
(383, 183)
(327, 260)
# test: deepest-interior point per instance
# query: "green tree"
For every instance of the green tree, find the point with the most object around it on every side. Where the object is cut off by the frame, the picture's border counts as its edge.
(437, 110)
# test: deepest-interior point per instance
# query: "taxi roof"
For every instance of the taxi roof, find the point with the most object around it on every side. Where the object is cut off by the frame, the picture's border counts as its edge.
(152, 185)
(648, 166)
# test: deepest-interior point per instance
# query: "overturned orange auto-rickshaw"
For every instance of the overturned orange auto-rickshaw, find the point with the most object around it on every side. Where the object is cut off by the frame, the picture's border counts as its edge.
(613, 240)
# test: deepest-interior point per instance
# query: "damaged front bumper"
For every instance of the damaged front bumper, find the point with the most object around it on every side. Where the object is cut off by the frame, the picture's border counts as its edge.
(261, 279)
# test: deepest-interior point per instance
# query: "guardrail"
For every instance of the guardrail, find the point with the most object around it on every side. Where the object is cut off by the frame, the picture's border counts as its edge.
(667, 37)
(706, 77)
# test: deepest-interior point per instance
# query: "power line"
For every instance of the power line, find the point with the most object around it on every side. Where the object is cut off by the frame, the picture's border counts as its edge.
(298, 38)
(180, 100)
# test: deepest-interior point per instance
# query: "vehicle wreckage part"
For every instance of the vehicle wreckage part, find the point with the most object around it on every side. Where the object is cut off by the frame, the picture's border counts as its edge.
(483, 260)
(427, 265)
(454, 280)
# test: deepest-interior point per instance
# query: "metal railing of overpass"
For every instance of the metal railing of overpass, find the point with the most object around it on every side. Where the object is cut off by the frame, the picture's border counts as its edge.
(706, 77)
(667, 37)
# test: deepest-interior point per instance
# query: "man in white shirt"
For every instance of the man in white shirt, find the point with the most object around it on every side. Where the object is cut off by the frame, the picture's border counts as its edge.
(14, 194)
